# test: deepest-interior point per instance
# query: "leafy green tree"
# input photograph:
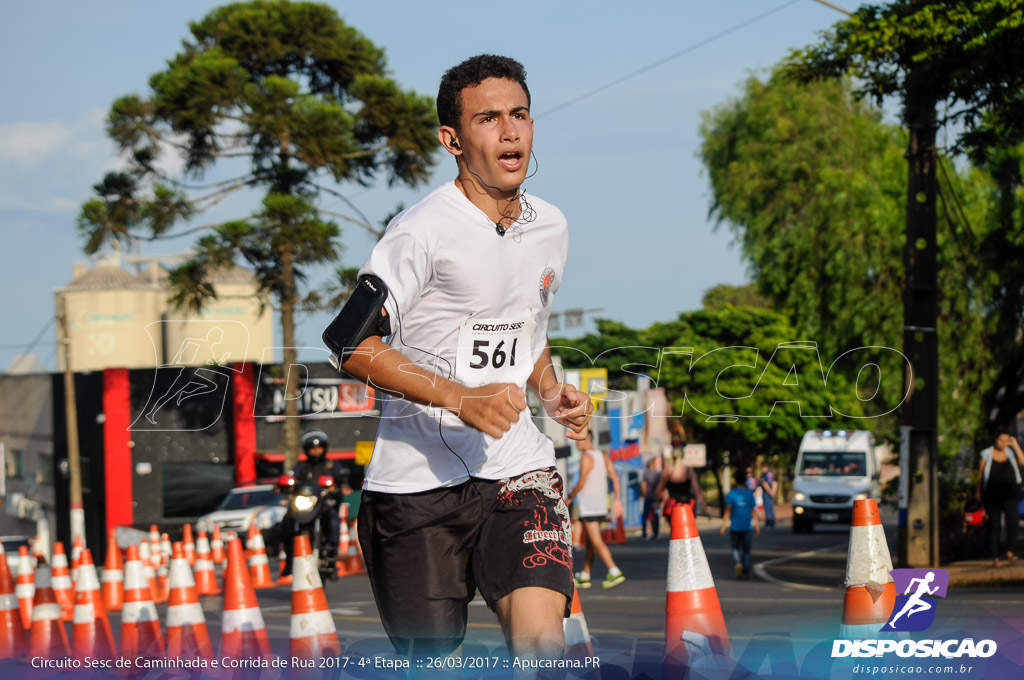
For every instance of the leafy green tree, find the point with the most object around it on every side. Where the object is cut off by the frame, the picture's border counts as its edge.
(725, 295)
(962, 54)
(1002, 258)
(953, 64)
(812, 182)
(302, 102)
(739, 379)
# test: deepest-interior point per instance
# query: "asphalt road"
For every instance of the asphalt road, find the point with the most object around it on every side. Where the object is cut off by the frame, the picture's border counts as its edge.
(796, 589)
(793, 598)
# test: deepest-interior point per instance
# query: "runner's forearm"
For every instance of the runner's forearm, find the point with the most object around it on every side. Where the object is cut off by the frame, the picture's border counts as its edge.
(543, 377)
(387, 369)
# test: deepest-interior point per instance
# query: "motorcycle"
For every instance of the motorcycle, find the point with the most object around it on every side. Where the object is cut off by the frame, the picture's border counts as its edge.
(309, 503)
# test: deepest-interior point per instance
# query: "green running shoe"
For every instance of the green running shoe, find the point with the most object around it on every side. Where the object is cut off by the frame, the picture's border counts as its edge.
(612, 581)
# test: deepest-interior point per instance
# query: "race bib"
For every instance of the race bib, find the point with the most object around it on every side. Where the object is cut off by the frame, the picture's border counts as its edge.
(494, 350)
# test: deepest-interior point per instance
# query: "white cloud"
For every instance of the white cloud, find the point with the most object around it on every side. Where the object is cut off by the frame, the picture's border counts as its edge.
(29, 142)
(59, 204)
(50, 166)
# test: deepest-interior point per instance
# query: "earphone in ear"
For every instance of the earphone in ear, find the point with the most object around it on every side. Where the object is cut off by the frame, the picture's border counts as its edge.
(455, 144)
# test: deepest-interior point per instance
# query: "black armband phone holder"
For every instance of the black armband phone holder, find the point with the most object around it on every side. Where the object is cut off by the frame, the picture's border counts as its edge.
(360, 318)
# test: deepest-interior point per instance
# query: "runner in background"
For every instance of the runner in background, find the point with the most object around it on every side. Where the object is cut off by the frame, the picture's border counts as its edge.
(591, 498)
(741, 519)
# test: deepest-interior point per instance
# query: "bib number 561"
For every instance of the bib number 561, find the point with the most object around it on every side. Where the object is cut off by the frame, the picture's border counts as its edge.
(496, 358)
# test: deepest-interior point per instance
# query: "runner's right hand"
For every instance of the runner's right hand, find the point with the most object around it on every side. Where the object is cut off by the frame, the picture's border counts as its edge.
(491, 408)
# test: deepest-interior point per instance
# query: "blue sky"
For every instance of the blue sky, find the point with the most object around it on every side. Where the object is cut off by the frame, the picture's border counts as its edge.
(622, 164)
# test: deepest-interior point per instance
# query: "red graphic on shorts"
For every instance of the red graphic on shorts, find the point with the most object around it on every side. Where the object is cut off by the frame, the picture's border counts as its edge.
(550, 540)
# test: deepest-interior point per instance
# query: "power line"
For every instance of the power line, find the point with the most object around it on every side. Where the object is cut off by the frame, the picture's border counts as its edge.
(659, 62)
(835, 7)
(21, 344)
(31, 345)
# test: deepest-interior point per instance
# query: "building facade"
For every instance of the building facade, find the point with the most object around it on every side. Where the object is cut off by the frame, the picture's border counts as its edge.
(119, 318)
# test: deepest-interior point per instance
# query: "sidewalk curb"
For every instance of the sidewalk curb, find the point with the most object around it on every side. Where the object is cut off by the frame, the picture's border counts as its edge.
(981, 572)
(976, 572)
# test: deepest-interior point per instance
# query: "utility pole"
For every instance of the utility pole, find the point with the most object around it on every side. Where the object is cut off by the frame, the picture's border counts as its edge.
(71, 425)
(919, 494)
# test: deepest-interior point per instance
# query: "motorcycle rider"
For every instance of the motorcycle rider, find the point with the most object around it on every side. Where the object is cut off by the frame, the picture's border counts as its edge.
(314, 445)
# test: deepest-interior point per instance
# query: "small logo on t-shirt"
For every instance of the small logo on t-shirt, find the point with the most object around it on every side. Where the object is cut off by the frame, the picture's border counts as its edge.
(547, 279)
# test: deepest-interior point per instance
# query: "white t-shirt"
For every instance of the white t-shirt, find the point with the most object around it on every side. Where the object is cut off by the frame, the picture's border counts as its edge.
(473, 307)
(592, 499)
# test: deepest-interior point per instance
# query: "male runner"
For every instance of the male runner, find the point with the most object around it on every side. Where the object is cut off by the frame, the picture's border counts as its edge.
(461, 492)
(591, 497)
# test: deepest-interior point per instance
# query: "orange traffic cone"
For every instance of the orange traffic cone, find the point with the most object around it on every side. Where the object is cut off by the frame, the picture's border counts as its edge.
(144, 556)
(47, 639)
(63, 589)
(694, 625)
(76, 557)
(313, 634)
(870, 591)
(614, 535)
(112, 579)
(165, 549)
(13, 643)
(38, 552)
(249, 537)
(25, 586)
(90, 634)
(163, 583)
(259, 564)
(243, 634)
(154, 546)
(187, 636)
(148, 571)
(205, 576)
(343, 535)
(344, 543)
(189, 545)
(354, 563)
(217, 546)
(577, 635)
(140, 626)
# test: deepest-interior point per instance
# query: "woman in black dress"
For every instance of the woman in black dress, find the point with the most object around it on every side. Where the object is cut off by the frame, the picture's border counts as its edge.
(999, 478)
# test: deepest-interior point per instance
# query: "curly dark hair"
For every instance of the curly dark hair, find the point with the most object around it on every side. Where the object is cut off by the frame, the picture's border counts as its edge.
(469, 73)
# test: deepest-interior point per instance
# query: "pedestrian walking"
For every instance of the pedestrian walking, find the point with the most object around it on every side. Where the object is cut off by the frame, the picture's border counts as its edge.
(462, 492)
(999, 480)
(769, 489)
(591, 497)
(649, 491)
(679, 484)
(741, 520)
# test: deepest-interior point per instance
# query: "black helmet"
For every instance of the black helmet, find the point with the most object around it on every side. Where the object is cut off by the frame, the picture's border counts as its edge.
(314, 439)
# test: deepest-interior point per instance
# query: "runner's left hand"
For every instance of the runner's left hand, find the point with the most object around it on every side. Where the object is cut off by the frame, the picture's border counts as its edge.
(570, 407)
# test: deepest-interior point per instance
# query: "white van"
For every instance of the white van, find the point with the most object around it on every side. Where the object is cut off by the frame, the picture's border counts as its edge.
(833, 469)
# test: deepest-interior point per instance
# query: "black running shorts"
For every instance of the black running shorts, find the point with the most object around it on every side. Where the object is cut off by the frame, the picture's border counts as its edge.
(427, 553)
